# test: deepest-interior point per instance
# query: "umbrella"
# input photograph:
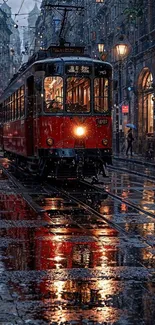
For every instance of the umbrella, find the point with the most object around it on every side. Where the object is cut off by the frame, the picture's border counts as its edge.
(131, 126)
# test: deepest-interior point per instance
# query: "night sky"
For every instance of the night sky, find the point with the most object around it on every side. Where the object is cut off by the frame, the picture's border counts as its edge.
(27, 6)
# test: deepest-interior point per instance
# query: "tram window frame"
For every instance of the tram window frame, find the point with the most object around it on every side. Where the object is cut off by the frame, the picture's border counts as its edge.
(86, 77)
(13, 106)
(22, 101)
(5, 105)
(53, 101)
(18, 103)
(102, 95)
(9, 108)
(5, 111)
(15, 103)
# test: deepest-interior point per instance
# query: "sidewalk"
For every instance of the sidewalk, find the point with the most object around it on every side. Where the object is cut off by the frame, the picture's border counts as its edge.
(137, 159)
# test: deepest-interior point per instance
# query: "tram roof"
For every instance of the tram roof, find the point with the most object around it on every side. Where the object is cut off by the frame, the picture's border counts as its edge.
(72, 59)
(65, 59)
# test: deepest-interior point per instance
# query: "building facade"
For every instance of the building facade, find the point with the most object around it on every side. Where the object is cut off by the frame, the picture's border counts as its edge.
(51, 20)
(4, 52)
(112, 22)
(15, 43)
(32, 18)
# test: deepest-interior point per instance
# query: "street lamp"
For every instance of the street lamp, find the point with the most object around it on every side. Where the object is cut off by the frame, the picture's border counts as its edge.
(121, 49)
(100, 47)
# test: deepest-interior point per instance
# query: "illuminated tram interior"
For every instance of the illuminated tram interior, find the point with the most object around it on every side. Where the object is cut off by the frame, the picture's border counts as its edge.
(53, 87)
(78, 94)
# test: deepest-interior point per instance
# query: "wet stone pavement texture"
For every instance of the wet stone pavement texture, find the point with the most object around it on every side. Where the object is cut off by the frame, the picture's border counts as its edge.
(66, 266)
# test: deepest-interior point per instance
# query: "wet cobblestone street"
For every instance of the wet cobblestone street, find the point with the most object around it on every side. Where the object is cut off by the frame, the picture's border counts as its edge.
(66, 266)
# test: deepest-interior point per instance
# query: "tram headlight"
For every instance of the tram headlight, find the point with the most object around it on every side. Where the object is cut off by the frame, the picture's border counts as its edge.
(50, 142)
(79, 131)
(105, 142)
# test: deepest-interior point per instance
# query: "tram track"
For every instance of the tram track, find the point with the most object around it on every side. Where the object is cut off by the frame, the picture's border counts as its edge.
(132, 172)
(87, 230)
(122, 232)
(89, 208)
(120, 199)
(47, 189)
(21, 189)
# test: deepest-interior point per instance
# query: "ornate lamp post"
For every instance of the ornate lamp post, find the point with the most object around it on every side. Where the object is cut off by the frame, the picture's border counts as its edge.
(121, 49)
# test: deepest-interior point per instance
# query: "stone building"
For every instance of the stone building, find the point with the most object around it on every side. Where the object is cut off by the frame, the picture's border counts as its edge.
(4, 52)
(131, 23)
(48, 24)
(32, 18)
(113, 22)
(15, 43)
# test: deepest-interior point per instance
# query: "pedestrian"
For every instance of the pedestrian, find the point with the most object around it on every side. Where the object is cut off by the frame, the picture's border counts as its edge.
(130, 139)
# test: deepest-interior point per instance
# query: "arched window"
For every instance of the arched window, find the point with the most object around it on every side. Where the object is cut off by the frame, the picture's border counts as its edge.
(147, 88)
(145, 103)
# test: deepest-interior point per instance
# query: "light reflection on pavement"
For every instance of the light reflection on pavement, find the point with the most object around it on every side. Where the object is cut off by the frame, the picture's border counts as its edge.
(66, 266)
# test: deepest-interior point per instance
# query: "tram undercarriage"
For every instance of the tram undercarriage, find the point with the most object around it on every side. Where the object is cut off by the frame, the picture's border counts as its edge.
(70, 167)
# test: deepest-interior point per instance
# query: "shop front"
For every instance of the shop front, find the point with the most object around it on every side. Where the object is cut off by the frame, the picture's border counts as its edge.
(146, 111)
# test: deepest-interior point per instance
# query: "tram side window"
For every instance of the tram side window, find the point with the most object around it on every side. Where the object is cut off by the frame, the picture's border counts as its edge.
(101, 95)
(78, 95)
(15, 103)
(53, 89)
(5, 111)
(8, 109)
(20, 102)
(1, 113)
(13, 106)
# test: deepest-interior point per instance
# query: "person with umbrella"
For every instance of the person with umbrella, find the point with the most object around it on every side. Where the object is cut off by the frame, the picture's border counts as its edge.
(130, 139)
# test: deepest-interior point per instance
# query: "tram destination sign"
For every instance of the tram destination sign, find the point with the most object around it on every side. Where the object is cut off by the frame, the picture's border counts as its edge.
(81, 69)
(59, 50)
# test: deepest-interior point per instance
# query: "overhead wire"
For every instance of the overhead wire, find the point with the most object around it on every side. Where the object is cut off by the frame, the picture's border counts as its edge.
(20, 8)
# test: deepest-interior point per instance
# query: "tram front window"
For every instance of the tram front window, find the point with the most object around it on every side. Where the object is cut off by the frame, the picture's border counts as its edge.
(78, 95)
(53, 88)
(100, 95)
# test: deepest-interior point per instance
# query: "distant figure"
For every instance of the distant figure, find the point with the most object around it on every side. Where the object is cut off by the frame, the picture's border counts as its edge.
(130, 139)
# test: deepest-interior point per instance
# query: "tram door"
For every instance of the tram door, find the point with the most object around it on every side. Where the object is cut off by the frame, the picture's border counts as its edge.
(30, 108)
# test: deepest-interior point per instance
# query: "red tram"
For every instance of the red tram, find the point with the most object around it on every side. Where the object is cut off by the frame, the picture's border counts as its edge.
(57, 114)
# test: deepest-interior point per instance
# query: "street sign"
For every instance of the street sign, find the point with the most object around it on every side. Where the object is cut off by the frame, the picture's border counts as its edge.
(125, 109)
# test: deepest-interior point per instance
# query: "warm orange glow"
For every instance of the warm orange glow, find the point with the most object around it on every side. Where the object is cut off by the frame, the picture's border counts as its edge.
(122, 50)
(100, 48)
(79, 131)
(104, 209)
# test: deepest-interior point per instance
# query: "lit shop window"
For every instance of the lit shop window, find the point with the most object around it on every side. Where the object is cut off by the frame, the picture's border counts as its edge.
(148, 101)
